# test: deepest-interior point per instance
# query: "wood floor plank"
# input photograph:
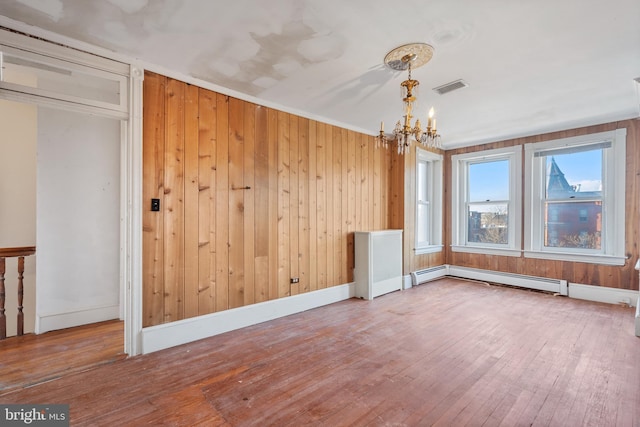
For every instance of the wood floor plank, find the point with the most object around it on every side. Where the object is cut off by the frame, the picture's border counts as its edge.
(32, 359)
(449, 352)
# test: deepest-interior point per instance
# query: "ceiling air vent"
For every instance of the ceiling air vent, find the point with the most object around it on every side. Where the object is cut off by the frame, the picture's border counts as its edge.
(451, 86)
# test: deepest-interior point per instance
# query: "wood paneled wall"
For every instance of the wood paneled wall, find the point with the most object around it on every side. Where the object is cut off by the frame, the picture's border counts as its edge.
(624, 277)
(249, 198)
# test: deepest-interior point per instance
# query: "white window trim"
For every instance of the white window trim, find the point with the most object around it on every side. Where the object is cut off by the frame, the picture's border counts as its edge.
(613, 252)
(459, 222)
(435, 182)
(67, 59)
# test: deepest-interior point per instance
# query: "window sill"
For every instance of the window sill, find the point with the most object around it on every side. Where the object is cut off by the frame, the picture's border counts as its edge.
(487, 251)
(590, 259)
(428, 249)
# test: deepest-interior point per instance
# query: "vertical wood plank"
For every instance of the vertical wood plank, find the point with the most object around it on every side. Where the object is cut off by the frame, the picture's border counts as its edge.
(384, 187)
(397, 183)
(222, 203)
(284, 214)
(153, 136)
(377, 188)
(365, 189)
(206, 202)
(294, 218)
(174, 204)
(351, 205)
(236, 203)
(360, 182)
(303, 205)
(330, 217)
(339, 159)
(249, 203)
(191, 203)
(321, 186)
(313, 206)
(373, 175)
(274, 220)
(261, 292)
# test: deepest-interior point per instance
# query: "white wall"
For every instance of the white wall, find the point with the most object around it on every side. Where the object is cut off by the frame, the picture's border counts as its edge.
(18, 136)
(78, 207)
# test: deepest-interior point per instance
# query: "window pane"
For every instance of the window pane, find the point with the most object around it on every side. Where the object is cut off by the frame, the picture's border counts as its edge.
(423, 223)
(422, 181)
(573, 225)
(574, 175)
(489, 181)
(488, 223)
(56, 79)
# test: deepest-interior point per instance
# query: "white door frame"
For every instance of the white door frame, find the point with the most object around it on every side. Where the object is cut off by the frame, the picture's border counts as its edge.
(130, 156)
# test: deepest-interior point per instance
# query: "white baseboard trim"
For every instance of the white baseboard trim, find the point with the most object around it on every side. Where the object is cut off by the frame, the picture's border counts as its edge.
(603, 294)
(406, 281)
(638, 317)
(638, 305)
(52, 322)
(168, 335)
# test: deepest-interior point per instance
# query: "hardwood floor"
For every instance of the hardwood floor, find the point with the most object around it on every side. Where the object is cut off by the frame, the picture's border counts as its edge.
(449, 352)
(32, 359)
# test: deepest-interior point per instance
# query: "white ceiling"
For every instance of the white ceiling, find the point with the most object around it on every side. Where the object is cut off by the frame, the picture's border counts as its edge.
(532, 66)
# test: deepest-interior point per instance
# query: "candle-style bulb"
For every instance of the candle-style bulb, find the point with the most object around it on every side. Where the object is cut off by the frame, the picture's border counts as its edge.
(381, 126)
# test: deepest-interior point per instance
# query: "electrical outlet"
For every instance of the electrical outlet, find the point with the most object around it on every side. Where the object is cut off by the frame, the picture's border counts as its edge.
(295, 279)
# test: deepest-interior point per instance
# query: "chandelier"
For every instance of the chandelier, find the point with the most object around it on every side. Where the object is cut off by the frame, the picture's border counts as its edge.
(402, 58)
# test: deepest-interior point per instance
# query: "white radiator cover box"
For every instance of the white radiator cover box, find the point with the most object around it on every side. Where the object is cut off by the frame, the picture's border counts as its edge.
(378, 263)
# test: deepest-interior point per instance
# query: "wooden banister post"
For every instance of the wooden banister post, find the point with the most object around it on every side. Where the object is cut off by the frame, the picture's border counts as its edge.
(20, 253)
(20, 326)
(3, 319)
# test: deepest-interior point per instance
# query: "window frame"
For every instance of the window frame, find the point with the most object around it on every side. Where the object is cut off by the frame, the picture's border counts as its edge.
(434, 186)
(612, 251)
(74, 63)
(459, 201)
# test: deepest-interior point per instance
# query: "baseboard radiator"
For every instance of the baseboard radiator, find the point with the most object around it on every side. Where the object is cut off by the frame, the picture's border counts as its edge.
(427, 274)
(533, 282)
(512, 279)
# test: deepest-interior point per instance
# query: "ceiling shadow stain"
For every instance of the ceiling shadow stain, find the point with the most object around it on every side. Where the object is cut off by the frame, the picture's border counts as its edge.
(360, 88)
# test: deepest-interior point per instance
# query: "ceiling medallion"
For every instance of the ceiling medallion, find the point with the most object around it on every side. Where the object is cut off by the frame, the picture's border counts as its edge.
(408, 57)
